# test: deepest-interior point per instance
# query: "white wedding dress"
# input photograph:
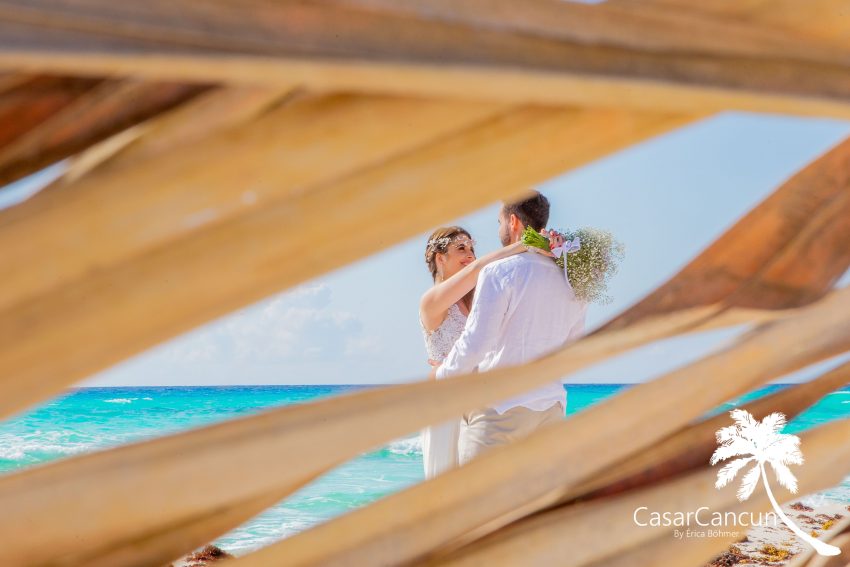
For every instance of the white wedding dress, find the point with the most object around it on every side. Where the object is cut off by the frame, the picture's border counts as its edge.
(439, 442)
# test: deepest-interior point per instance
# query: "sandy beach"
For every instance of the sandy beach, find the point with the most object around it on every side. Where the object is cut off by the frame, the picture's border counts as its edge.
(777, 546)
(774, 546)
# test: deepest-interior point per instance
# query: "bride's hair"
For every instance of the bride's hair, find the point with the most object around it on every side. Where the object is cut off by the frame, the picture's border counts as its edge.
(438, 243)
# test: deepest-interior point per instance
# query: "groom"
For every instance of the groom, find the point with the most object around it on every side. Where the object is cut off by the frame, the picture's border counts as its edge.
(523, 309)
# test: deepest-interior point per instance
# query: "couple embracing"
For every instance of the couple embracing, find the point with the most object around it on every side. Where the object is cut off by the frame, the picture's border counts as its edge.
(491, 312)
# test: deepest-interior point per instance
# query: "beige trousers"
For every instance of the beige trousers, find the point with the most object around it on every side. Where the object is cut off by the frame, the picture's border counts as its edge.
(481, 430)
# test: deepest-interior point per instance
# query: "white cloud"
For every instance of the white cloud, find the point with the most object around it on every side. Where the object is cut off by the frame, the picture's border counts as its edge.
(299, 325)
(358, 346)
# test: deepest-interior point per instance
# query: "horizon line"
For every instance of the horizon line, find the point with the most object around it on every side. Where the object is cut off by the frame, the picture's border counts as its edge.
(348, 385)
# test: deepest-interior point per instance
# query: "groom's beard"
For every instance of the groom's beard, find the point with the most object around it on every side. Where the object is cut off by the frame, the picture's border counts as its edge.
(504, 236)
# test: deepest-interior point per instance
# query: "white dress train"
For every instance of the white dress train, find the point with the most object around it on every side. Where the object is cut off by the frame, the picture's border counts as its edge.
(440, 442)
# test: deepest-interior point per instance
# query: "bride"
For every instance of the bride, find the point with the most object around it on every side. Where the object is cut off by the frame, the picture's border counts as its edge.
(443, 309)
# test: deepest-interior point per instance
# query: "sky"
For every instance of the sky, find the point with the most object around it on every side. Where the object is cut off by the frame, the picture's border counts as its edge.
(666, 199)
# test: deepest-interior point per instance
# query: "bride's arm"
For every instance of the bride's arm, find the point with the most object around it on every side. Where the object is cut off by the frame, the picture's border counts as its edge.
(432, 375)
(437, 300)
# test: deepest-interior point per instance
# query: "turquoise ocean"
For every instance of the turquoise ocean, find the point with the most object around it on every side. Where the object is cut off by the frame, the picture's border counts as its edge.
(90, 419)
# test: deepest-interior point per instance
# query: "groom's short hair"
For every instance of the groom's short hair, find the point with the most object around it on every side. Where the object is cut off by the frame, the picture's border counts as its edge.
(532, 211)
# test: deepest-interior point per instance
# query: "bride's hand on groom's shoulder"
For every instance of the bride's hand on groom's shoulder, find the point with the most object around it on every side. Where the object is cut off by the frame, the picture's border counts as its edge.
(432, 375)
(556, 239)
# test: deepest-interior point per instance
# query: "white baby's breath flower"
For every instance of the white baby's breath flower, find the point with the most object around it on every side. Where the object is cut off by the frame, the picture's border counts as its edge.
(591, 268)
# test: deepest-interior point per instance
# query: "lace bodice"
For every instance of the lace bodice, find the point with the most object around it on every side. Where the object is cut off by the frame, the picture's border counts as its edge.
(440, 341)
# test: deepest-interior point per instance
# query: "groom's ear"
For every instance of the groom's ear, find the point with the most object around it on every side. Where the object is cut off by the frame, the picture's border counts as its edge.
(515, 224)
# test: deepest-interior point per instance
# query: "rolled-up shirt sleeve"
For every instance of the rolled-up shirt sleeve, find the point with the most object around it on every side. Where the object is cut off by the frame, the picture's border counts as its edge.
(482, 327)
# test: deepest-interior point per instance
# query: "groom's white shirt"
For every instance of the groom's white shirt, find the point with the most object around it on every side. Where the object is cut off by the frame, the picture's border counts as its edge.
(523, 309)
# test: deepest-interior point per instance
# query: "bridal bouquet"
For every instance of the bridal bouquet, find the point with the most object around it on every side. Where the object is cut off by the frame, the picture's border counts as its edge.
(590, 257)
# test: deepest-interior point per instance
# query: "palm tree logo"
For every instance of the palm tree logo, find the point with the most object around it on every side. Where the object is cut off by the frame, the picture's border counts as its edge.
(760, 442)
